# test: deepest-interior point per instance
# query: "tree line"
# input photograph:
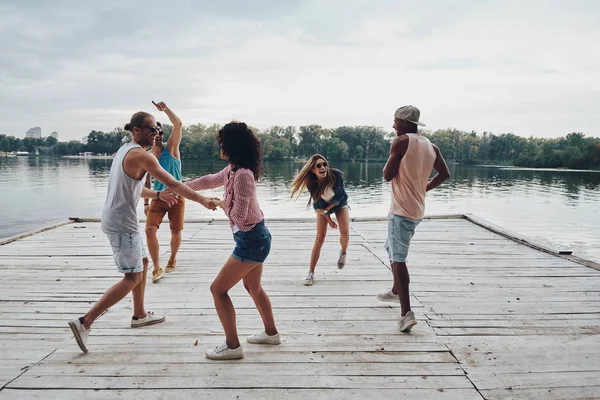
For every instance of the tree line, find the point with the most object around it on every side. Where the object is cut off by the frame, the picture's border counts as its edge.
(356, 143)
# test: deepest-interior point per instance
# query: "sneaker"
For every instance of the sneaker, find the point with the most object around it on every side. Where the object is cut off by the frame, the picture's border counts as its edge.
(388, 296)
(407, 322)
(171, 266)
(342, 260)
(81, 334)
(149, 319)
(157, 274)
(310, 279)
(223, 352)
(263, 338)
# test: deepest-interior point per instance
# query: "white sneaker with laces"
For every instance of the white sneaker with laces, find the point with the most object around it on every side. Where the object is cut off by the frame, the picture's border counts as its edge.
(388, 296)
(223, 352)
(149, 319)
(310, 279)
(81, 334)
(407, 322)
(342, 260)
(263, 338)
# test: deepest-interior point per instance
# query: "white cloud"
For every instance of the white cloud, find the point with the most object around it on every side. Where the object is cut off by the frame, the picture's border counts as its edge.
(502, 66)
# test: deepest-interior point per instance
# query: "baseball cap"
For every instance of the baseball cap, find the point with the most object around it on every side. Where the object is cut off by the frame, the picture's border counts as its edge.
(410, 114)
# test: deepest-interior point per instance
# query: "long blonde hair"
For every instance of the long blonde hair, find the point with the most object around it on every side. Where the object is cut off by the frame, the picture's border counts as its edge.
(306, 177)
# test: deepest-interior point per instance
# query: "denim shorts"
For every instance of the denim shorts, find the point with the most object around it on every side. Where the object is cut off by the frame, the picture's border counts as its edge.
(337, 208)
(400, 232)
(254, 245)
(128, 251)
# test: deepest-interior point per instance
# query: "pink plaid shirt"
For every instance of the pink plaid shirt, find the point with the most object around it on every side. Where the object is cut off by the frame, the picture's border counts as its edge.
(240, 202)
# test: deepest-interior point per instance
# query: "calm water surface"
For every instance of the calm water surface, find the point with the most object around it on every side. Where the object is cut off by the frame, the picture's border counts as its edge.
(557, 207)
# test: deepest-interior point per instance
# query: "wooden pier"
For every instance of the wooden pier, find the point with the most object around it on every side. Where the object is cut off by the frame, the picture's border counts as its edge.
(498, 318)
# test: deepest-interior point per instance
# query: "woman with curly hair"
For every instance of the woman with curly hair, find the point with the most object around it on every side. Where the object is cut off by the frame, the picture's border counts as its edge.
(327, 193)
(242, 149)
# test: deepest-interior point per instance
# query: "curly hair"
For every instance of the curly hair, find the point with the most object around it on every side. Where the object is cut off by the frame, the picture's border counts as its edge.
(241, 146)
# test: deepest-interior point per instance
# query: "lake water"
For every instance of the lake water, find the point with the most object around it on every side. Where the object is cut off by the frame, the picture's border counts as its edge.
(556, 207)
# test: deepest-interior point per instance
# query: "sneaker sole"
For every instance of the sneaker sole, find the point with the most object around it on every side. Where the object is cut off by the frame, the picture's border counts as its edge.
(264, 342)
(230, 357)
(77, 337)
(168, 271)
(157, 321)
(389, 300)
(342, 267)
(308, 284)
(408, 327)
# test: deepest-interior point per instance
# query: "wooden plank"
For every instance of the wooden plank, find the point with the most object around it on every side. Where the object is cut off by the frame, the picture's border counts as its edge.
(263, 394)
(470, 287)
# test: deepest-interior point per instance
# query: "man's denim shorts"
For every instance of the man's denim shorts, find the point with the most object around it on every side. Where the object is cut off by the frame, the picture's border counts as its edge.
(400, 232)
(254, 245)
(128, 251)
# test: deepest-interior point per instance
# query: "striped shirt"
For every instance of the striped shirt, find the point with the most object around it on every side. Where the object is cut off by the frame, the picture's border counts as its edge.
(240, 202)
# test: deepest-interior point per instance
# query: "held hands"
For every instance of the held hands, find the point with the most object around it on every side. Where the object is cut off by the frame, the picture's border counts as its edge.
(211, 202)
(168, 197)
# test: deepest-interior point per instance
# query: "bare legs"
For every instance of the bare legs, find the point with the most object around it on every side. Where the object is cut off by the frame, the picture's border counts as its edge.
(131, 282)
(343, 219)
(232, 272)
(153, 247)
(319, 240)
(401, 283)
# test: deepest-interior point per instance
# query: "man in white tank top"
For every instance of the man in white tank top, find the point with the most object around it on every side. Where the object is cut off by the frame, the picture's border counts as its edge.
(120, 223)
(412, 158)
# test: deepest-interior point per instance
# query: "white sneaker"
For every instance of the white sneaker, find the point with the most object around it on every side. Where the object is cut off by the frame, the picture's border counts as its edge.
(263, 338)
(407, 322)
(223, 352)
(342, 260)
(310, 279)
(81, 334)
(388, 296)
(149, 319)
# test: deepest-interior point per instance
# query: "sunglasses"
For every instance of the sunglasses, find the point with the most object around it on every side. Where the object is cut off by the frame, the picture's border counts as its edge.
(321, 165)
(161, 133)
(153, 129)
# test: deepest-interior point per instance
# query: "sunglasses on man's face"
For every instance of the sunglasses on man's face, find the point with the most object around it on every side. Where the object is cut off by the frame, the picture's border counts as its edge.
(319, 165)
(153, 129)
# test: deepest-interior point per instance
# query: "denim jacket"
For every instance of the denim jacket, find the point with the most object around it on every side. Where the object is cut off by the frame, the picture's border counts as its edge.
(340, 197)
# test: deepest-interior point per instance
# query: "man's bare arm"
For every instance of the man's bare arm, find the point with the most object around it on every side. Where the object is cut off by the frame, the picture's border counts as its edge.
(442, 170)
(149, 163)
(397, 151)
(177, 133)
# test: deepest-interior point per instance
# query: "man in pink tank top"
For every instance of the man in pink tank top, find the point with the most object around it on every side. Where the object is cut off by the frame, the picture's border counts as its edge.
(412, 158)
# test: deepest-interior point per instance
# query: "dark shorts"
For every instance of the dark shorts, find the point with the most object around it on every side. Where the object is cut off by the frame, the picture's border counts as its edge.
(254, 245)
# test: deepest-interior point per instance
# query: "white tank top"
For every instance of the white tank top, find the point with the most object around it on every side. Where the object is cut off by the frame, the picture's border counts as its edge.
(119, 214)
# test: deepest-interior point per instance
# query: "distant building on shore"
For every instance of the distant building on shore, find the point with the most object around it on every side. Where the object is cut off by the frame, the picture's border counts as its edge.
(35, 133)
(54, 135)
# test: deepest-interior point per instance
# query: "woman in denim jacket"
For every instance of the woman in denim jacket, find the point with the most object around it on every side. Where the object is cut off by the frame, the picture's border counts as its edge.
(327, 193)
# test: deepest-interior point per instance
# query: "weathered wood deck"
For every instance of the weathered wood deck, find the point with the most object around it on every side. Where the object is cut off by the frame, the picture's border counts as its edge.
(497, 320)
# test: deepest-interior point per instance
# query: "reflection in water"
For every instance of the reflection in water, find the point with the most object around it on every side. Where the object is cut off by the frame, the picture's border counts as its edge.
(557, 206)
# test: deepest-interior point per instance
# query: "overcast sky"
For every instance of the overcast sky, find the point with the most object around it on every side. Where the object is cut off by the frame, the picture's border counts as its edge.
(527, 67)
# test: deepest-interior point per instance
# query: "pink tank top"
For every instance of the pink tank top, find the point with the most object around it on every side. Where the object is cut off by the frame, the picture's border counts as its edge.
(410, 185)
